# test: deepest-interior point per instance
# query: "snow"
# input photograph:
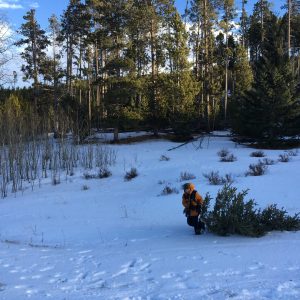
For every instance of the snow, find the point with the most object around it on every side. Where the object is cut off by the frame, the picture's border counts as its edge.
(124, 240)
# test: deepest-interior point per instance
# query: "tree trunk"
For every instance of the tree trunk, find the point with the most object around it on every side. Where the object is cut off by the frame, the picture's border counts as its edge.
(289, 28)
(116, 134)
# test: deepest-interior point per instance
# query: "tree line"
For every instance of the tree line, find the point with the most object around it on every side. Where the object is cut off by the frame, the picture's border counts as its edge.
(133, 64)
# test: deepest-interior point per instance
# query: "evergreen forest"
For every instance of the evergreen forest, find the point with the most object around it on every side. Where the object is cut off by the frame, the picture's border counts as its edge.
(140, 65)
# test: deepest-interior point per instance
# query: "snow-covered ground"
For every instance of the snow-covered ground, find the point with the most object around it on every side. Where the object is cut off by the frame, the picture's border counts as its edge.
(123, 240)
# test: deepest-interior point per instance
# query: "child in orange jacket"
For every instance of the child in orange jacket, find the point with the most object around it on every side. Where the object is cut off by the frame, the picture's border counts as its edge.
(192, 201)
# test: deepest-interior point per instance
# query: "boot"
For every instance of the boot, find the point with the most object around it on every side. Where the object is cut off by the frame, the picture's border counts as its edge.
(197, 230)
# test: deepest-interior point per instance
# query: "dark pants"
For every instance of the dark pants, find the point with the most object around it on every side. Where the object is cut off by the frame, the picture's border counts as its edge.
(196, 223)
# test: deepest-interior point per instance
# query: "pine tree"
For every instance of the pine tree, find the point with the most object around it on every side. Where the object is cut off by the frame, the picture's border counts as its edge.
(159, 13)
(75, 26)
(138, 52)
(242, 72)
(293, 11)
(244, 21)
(178, 86)
(203, 15)
(34, 54)
(111, 24)
(55, 70)
(269, 109)
(226, 25)
(258, 24)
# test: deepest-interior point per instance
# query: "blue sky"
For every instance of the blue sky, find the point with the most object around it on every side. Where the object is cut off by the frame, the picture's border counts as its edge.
(16, 9)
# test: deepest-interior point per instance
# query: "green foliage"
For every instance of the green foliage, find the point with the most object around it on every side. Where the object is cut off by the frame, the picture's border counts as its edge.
(128, 66)
(130, 118)
(268, 111)
(232, 214)
(205, 207)
(242, 71)
(34, 56)
(273, 218)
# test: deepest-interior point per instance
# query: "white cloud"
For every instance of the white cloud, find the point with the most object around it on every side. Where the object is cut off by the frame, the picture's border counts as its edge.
(10, 4)
(34, 5)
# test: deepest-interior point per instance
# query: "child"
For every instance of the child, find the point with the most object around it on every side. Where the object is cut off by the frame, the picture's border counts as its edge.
(192, 201)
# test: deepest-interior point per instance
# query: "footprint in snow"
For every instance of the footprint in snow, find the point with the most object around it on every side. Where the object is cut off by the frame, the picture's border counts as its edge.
(2, 286)
(36, 277)
(169, 275)
(228, 273)
(257, 266)
(193, 284)
(14, 271)
(84, 251)
(286, 285)
(99, 273)
(31, 292)
(97, 284)
(130, 264)
(181, 257)
(47, 269)
(144, 267)
(190, 271)
(125, 268)
(121, 272)
(287, 289)
(20, 286)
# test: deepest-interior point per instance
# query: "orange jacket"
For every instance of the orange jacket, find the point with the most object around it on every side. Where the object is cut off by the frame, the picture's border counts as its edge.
(191, 205)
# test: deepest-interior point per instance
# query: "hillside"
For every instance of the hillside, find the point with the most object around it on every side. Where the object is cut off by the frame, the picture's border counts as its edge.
(117, 239)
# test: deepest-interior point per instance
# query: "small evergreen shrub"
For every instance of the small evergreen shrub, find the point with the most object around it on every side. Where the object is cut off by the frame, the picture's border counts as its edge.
(215, 179)
(205, 207)
(164, 158)
(232, 214)
(131, 174)
(169, 190)
(185, 176)
(258, 169)
(257, 154)
(274, 218)
(104, 173)
(284, 157)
